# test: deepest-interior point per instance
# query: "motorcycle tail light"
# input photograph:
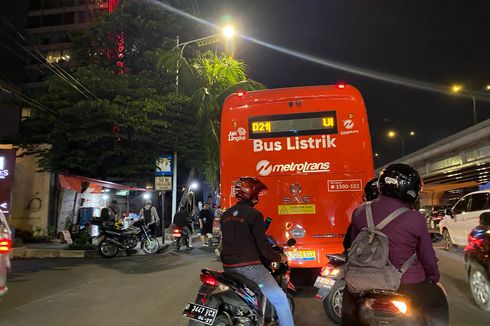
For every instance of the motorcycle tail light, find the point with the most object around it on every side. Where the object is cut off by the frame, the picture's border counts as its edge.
(5, 245)
(208, 280)
(400, 305)
(329, 270)
(176, 232)
(393, 306)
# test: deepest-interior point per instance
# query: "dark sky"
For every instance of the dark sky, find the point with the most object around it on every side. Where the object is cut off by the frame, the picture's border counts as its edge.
(436, 41)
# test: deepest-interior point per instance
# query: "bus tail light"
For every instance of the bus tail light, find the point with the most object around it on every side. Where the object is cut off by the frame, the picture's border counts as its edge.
(341, 86)
(241, 93)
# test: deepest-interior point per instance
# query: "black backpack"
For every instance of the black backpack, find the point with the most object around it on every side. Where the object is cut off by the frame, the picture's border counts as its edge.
(147, 215)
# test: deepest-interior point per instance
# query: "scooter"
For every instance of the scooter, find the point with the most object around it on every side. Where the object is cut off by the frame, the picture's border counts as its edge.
(331, 286)
(180, 238)
(227, 298)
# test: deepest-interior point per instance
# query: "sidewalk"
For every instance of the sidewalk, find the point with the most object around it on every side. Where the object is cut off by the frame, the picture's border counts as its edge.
(54, 250)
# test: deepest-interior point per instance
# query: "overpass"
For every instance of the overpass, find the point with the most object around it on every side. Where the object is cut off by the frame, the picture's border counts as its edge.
(459, 161)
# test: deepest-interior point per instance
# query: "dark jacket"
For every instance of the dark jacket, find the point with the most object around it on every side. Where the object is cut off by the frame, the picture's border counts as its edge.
(408, 234)
(243, 237)
(181, 219)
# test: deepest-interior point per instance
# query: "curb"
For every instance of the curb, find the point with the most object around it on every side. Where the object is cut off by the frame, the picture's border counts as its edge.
(27, 253)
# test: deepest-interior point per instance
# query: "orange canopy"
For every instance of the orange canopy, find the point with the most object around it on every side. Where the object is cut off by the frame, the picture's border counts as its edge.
(74, 182)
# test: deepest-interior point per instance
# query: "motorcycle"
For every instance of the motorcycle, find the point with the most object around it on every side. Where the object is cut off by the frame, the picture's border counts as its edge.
(113, 240)
(180, 238)
(227, 298)
(331, 286)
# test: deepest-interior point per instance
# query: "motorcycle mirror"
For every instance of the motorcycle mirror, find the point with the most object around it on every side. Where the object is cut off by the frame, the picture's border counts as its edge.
(291, 242)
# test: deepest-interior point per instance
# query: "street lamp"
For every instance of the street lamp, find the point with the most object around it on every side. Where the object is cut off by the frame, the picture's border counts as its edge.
(459, 89)
(456, 89)
(228, 32)
(394, 134)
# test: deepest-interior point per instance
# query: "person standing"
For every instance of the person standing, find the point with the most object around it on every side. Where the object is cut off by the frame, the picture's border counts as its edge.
(150, 215)
(244, 243)
(206, 218)
(112, 214)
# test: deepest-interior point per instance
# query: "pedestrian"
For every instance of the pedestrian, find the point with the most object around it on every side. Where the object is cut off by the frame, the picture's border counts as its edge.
(111, 214)
(206, 218)
(150, 215)
(4, 257)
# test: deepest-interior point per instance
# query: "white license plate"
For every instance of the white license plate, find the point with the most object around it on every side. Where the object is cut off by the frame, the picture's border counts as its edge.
(177, 235)
(200, 313)
(323, 282)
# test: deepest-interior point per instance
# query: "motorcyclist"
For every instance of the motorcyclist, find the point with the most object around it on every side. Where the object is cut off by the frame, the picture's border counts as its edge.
(399, 185)
(181, 220)
(371, 192)
(244, 242)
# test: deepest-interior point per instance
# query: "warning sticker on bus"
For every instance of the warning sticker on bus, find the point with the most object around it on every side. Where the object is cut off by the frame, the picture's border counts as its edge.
(296, 209)
(345, 185)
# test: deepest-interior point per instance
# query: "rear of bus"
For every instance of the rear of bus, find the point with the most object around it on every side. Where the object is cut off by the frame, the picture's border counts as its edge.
(311, 147)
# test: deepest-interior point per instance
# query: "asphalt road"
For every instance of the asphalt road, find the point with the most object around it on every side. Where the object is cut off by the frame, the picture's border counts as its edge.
(152, 290)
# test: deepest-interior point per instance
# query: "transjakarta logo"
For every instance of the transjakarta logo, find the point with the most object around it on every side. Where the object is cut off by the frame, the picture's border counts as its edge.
(264, 167)
(294, 144)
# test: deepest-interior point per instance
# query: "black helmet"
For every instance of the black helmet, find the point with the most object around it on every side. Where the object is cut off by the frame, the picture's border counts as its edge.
(371, 190)
(400, 181)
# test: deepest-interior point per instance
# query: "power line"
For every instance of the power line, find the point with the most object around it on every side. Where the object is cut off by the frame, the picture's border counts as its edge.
(59, 71)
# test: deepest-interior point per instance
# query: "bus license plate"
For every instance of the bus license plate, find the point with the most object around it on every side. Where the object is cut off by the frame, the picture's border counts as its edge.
(200, 313)
(301, 255)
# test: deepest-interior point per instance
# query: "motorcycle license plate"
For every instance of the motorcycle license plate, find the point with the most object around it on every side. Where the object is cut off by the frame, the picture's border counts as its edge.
(301, 255)
(323, 282)
(178, 235)
(200, 313)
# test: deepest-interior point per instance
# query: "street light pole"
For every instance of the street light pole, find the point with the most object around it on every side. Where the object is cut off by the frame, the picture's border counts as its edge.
(474, 109)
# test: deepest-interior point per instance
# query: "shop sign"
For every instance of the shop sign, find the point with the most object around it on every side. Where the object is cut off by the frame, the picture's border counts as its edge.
(7, 169)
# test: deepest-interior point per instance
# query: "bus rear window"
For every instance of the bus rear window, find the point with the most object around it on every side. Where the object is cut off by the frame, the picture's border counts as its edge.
(283, 125)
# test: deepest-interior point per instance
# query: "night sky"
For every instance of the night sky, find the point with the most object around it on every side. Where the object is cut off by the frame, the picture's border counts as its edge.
(437, 41)
(441, 42)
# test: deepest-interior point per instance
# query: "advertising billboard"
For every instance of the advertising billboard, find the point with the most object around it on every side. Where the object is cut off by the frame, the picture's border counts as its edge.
(7, 169)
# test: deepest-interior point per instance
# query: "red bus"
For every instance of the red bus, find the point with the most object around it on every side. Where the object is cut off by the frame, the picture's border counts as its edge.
(311, 147)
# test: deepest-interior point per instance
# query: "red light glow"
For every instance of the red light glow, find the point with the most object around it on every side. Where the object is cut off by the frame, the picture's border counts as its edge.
(241, 93)
(340, 86)
(208, 280)
(112, 5)
(5, 246)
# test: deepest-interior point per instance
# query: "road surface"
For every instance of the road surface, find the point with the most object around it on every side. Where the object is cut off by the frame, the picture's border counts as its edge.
(152, 290)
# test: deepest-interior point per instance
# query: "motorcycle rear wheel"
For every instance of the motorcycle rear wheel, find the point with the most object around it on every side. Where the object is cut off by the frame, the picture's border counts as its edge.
(150, 245)
(107, 249)
(333, 302)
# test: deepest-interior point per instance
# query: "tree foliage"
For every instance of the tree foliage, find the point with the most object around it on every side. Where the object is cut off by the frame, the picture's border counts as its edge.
(208, 79)
(119, 135)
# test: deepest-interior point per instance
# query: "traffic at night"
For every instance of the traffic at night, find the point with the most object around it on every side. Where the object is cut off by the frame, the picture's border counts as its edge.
(233, 163)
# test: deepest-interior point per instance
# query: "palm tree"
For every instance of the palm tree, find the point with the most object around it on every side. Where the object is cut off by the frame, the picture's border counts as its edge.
(208, 79)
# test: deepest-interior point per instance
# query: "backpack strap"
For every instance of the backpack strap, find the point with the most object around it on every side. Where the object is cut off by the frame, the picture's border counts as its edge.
(369, 215)
(406, 265)
(391, 217)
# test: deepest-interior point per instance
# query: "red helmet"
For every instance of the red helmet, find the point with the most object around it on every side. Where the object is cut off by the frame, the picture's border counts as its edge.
(248, 188)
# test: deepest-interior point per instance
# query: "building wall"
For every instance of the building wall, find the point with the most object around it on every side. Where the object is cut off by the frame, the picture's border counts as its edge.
(31, 195)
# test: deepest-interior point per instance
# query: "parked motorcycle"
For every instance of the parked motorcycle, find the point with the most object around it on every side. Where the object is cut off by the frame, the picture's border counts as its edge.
(180, 238)
(227, 298)
(331, 286)
(113, 240)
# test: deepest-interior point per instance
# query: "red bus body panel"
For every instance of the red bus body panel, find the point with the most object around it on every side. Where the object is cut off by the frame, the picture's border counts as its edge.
(314, 181)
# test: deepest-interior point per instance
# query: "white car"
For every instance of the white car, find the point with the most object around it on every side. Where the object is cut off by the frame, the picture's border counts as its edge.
(463, 217)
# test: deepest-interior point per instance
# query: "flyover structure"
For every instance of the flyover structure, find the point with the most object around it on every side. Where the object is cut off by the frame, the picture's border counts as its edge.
(459, 162)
